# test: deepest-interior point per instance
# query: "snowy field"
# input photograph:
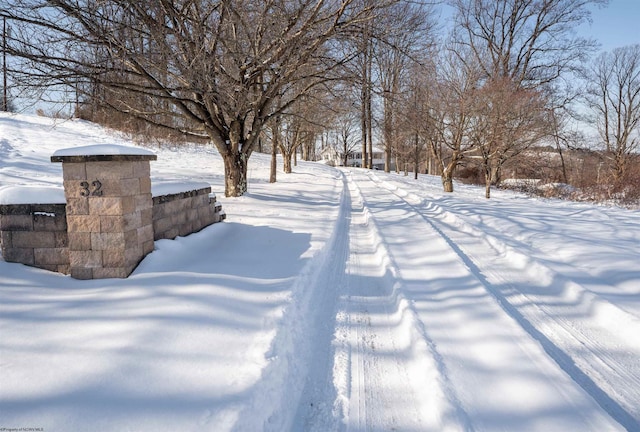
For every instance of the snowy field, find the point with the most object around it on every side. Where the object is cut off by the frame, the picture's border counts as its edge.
(333, 300)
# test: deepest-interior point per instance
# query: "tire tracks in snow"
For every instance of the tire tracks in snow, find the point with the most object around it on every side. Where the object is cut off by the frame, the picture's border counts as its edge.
(292, 394)
(396, 378)
(581, 345)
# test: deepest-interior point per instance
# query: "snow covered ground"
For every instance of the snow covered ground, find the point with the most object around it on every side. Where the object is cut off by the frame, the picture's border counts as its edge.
(333, 300)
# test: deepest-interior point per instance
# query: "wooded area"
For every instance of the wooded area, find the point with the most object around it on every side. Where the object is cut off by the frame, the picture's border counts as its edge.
(493, 91)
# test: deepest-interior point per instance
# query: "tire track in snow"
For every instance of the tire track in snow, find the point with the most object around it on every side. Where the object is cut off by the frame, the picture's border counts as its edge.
(291, 394)
(590, 365)
(397, 379)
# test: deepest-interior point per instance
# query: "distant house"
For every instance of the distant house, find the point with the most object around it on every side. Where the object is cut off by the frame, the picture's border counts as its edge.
(331, 156)
(355, 158)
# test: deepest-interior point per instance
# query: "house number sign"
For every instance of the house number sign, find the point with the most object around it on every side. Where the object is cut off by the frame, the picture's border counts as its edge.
(93, 189)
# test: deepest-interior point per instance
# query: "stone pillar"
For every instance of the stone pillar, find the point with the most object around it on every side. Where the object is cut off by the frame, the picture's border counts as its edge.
(109, 209)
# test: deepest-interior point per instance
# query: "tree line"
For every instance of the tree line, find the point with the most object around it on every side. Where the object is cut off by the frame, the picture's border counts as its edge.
(481, 87)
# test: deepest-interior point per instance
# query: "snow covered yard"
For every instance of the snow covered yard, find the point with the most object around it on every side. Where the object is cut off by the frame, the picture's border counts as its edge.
(331, 300)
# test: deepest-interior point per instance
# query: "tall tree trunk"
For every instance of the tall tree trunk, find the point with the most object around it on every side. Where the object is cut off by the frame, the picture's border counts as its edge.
(447, 180)
(496, 174)
(286, 160)
(448, 171)
(235, 170)
(447, 175)
(488, 170)
(416, 157)
(274, 163)
(275, 143)
(388, 130)
(365, 95)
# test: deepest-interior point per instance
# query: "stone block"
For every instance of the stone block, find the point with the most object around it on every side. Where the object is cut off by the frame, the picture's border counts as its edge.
(142, 202)
(145, 185)
(128, 204)
(109, 170)
(19, 255)
(192, 214)
(200, 200)
(74, 171)
(145, 234)
(185, 204)
(76, 189)
(132, 221)
(85, 259)
(15, 209)
(77, 206)
(57, 209)
(179, 218)
(148, 247)
(131, 239)
(81, 273)
(134, 255)
(172, 207)
(79, 241)
(171, 233)
(109, 187)
(48, 267)
(112, 224)
(111, 272)
(130, 187)
(111, 206)
(146, 216)
(51, 256)
(83, 223)
(61, 239)
(114, 258)
(158, 211)
(141, 169)
(46, 222)
(206, 221)
(162, 225)
(16, 222)
(104, 241)
(205, 213)
(185, 229)
(33, 239)
(5, 239)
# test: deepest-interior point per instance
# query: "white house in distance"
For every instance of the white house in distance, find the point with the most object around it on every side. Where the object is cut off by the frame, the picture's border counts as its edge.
(331, 156)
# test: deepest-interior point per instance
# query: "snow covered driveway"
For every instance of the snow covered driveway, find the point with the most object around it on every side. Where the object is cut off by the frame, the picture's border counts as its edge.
(443, 327)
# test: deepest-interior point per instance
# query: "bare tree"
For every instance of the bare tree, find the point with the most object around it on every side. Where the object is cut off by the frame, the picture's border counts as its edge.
(521, 44)
(364, 43)
(346, 139)
(416, 104)
(531, 42)
(614, 97)
(451, 112)
(507, 120)
(405, 37)
(215, 68)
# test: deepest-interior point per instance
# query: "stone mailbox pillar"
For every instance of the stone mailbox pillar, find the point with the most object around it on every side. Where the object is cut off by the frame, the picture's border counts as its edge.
(109, 209)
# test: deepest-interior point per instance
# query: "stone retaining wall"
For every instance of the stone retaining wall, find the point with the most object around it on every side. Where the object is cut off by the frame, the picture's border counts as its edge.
(184, 213)
(36, 234)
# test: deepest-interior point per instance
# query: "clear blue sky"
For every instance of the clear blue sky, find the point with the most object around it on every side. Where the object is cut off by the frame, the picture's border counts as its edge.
(616, 25)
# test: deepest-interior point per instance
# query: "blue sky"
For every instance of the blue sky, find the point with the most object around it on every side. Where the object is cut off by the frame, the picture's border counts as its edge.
(616, 25)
